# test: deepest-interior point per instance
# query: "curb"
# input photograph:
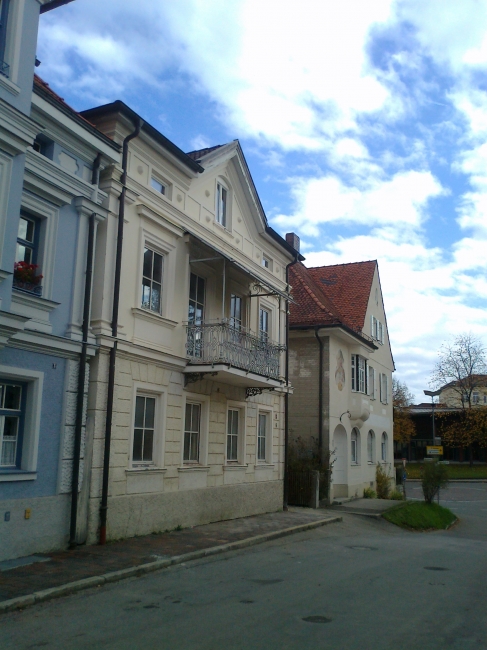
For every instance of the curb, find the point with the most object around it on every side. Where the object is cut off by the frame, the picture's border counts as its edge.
(136, 571)
(453, 480)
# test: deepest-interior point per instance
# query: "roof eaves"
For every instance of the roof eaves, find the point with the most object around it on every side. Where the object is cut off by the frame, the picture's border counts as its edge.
(119, 106)
(54, 4)
(51, 97)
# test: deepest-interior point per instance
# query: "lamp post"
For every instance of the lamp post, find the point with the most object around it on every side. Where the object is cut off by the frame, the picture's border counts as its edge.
(432, 394)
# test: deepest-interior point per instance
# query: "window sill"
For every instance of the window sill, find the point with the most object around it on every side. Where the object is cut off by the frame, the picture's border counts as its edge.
(9, 85)
(263, 465)
(194, 468)
(142, 470)
(234, 467)
(17, 475)
(138, 312)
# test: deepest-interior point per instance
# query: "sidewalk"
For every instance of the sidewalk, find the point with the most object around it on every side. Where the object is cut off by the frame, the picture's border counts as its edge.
(36, 578)
(366, 507)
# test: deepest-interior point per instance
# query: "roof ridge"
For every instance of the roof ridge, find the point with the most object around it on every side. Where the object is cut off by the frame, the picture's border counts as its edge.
(327, 266)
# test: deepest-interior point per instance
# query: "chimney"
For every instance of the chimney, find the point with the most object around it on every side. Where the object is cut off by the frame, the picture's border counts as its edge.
(293, 240)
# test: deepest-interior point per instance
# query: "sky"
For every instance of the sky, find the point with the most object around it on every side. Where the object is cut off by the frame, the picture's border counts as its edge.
(364, 125)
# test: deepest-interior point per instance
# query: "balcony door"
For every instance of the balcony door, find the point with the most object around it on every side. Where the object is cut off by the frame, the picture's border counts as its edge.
(196, 314)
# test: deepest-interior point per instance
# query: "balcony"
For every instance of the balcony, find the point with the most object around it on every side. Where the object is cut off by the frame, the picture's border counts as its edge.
(235, 355)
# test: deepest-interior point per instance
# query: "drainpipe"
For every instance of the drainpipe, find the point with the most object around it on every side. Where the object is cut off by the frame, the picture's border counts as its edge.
(320, 397)
(286, 395)
(113, 350)
(81, 384)
(82, 365)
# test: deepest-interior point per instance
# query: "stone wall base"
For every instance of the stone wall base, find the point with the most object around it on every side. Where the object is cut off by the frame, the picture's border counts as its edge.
(47, 528)
(142, 514)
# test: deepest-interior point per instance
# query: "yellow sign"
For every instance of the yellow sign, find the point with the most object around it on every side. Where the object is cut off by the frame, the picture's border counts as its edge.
(436, 450)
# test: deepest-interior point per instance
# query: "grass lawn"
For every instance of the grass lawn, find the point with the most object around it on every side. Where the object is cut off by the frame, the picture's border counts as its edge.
(454, 471)
(419, 515)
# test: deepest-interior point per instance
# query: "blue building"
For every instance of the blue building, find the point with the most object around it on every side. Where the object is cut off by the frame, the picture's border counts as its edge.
(50, 206)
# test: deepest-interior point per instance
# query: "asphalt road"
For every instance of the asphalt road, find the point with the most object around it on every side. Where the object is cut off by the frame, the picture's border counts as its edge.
(362, 584)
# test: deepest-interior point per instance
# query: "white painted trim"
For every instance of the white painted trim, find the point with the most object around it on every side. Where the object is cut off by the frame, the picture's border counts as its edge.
(32, 421)
(5, 181)
(146, 389)
(269, 433)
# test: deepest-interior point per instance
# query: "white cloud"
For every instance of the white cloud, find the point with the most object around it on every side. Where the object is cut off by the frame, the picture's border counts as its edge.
(400, 201)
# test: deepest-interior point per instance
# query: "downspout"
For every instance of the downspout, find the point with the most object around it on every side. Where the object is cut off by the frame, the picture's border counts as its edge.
(286, 395)
(320, 397)
(78, 429)
(113, 350)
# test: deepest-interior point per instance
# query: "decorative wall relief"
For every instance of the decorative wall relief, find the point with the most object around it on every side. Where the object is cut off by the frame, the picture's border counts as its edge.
(340, 371)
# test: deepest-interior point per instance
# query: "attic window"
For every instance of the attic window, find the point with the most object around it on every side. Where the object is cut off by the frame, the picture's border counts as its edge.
(157, 185)
(221, 204)
(266, 262)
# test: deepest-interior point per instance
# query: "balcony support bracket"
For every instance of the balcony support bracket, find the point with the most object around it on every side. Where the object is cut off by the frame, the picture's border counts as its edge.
(251, 391)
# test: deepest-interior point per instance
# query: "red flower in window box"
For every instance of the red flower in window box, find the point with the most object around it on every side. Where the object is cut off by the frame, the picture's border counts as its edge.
(25, 272)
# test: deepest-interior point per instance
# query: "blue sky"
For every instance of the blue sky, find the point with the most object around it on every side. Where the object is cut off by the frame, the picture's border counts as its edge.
(364, 125)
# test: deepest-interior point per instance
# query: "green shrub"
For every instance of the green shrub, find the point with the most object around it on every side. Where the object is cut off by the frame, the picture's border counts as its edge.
(435, 476)
(418, 515)
(396, 495)
(382, 481)
(369, 493)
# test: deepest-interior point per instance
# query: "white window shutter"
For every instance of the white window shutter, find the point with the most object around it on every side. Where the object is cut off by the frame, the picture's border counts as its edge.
(376, 388)
(372, 326)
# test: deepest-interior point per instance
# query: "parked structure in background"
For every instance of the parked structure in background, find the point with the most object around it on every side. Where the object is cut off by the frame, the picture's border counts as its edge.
(340, 367)
(195, 389)
(48, 193)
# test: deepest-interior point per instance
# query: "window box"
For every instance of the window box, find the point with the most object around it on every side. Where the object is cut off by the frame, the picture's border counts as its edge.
(30, 287)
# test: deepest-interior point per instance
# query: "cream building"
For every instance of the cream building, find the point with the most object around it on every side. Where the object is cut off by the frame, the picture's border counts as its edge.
(198, 408)
(471, 391)
(340, 367)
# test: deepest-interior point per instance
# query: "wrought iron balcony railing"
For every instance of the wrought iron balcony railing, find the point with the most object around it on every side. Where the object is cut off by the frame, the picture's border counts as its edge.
(220, 343)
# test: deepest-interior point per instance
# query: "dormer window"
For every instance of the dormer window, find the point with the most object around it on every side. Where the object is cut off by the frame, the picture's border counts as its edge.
(221, 205)
(157, 185)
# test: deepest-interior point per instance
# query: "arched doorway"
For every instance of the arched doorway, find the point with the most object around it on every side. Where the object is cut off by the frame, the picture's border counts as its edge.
(340, 466)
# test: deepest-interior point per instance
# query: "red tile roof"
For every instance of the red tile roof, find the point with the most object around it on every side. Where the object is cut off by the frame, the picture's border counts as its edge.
(40, 83)
(326, 295)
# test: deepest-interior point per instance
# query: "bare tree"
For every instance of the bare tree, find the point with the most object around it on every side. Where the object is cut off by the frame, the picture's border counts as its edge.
(461, 368)
(402, 398)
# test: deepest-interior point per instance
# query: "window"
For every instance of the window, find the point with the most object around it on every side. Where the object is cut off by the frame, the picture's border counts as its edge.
(196, 299)
(4, 7)
(235, 312)
(383, 447)
(232, 434)
(265, 262)
(12, 406)
(359, 374)
(143, 447)
(264, 317)
(370, 446)
(196, 314)
(192, 431)
(384, 388)
(371, 382)
(262, 436)
(27, 240)
(355, 451)
(157, 185)
(475, 397)
(152, 280)
(221, 204)
(377, 329)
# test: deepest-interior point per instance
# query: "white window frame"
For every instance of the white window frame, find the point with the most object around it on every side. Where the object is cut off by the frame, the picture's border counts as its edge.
(222, 210)
(371, 387)
(144, 389)
(371, 447)
(204, 401)
(241, 407)
(359, 374)
(265, 335)
(268, 437)
(267, 262)
(32, 422)
(355, 447)
(373, 327)
(383, 447)
(380, 332)
(166, 248)
(154, 252)
(475, 397)
(236, 324)
(157, 185)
